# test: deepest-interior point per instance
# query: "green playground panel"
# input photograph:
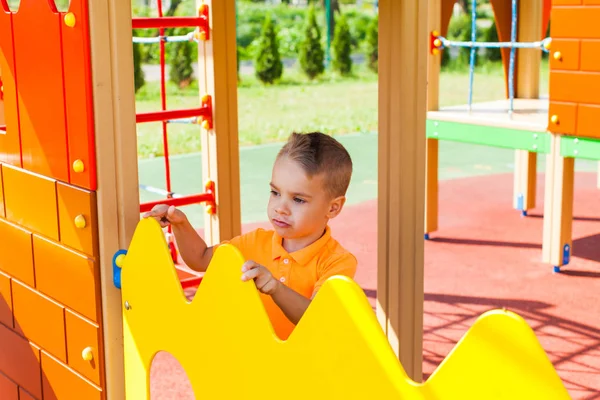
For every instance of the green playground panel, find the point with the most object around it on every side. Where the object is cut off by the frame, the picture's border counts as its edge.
(577, 147)
(518, 139)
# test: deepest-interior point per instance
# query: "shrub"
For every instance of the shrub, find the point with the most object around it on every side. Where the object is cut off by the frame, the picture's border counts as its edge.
(138, 73)
(342, 46)
(312, 55)
(372, 44)
(181, 71)
(491, 35)
(268, 65)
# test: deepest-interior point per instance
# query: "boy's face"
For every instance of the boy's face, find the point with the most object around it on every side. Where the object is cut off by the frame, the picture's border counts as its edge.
(299, 206)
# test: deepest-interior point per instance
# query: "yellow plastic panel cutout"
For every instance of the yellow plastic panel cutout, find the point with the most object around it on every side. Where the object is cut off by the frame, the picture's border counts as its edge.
(225, 342)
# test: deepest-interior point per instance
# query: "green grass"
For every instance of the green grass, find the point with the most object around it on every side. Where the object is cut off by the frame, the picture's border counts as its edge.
(331, 104)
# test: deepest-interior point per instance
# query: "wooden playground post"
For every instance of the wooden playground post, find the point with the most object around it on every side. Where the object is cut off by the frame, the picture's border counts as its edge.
(217, 70)
(402, 109)
(530, 26)
(116, 151)
(434, 23)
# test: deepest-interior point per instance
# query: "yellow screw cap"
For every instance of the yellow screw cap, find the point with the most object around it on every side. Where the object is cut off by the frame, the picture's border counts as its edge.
(70, 19)
(205, 124)
(119, 260)
(80, 221)
(87, 354)
(557, 55)
(554, 119)
(78, 166)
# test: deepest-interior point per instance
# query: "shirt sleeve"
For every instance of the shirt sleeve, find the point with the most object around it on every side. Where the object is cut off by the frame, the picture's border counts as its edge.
(344, 265)
(245, 243)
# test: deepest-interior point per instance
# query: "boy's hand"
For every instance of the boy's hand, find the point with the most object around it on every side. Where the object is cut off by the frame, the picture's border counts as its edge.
(264, 280)
(166, 215)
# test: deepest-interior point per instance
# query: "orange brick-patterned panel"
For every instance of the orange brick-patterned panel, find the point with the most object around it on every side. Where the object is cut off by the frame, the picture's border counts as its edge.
(6, 312)
(20, 361)
(575, 68)
(62, 383)
(8, 389)
(17, 252)
(2, 214)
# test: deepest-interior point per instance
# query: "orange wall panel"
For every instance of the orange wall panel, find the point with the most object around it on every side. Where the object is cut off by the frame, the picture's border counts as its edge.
(591, 2)
(40, 84)
(60, 383)
(23, 395)
(575, 22)
(17, 252)
(77, 218)
(8, 389)
(66, 276)
(6, 316)
(590, 55)
(40, 319)
(587, 121)
(580, 87)
(2, 214)
(20, 361)
(30, 201)
(82, 334)
(10, 144)
(562, 118)
(564, 54)
(78, 96)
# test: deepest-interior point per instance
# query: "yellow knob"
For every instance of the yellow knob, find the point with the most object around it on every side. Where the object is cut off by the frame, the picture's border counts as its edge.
(70, 19)
(201, 35)
(435, 52)
(548, 44)
(435, 33)
(80, 221)
(87, 354)
(205, 124)
(437, 42)
(557, 55)
(554, 119)
(119, 260)
(78, 166)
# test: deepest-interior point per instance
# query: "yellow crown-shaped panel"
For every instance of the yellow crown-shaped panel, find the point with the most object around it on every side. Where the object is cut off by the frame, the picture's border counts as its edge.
(225, 342)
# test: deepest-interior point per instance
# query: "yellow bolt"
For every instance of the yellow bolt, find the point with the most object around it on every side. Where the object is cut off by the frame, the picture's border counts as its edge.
(554, 119)
(78, 166)
(70, 19)
(205, 124)
(87, 354)
(548, 44)
(119, 260)
(435, 52)
(437, 42)
(80, 221)
(557, 55)
(435, 33)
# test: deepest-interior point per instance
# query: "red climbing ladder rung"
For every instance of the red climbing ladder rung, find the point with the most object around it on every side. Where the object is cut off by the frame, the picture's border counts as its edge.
(179, 201)
(167, 22)
(165, 115)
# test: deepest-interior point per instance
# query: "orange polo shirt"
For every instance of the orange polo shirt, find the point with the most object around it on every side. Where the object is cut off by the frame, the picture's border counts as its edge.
(304, 270)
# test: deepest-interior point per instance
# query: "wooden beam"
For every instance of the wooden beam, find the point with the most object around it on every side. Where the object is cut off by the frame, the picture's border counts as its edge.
(403, 102)
(116, 153)
(557, 246)
(530, 23)
(217, 70)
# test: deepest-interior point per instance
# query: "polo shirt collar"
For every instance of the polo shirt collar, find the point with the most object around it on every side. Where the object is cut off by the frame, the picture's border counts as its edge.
(304, 255)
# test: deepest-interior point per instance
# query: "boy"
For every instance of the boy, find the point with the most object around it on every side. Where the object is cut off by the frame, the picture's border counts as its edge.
(289, 263)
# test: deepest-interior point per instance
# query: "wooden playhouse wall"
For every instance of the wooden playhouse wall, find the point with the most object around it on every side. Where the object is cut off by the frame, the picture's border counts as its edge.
(575, 68)
(50, 302)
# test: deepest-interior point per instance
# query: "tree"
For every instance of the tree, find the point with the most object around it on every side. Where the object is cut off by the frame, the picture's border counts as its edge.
(181, 71)
(268, 65)
(312, 55)
(138, 73)
(372, 44)
(342, 46)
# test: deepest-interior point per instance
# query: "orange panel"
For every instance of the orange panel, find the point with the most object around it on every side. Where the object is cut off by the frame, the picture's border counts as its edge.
(40, 83)
(30, 201)
(6, 316)
(66, 276)
(10, 143)
(587, 121)
(577, 87)
(590, 55)
(82, 335)
(8, 389)
(564, 54)
(591, 2)
(17, 252)
(566, 2)
(2, 214)
(77, 218)
(60, 383)
(575, 22)
(40, 319)
(78, 96)
(562, 118)
(20, 361)
(24, 395)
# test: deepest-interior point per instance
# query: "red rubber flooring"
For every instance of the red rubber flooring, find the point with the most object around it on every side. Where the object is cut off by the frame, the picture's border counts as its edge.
(484, 255)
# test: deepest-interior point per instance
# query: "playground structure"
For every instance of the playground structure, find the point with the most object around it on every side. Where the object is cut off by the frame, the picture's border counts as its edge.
(561, 127)
(68, 209)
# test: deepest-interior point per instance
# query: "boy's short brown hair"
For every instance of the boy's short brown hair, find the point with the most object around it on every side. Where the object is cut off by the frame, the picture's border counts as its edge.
(319, 153)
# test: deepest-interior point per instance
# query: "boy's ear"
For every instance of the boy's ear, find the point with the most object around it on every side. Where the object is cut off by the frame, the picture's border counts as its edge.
(335, 206)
